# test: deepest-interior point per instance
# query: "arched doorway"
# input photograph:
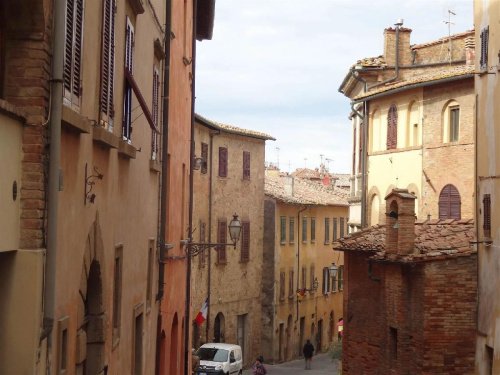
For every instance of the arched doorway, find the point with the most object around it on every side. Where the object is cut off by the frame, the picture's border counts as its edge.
(174, 346)
(219, 328)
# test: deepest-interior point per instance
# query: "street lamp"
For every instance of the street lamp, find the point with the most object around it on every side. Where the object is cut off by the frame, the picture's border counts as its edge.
(314, 287)
(194, 248)
(333, 270)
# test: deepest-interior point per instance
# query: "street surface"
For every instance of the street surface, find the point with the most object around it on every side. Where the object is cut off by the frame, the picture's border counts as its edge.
(321, 365)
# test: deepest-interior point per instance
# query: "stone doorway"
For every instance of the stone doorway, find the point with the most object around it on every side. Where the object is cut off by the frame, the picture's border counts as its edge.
(219, 328)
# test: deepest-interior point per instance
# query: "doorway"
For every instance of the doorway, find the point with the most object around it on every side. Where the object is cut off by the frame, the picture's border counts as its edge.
(219, 328)
(241, 334)
(281, 339)
(301, 334)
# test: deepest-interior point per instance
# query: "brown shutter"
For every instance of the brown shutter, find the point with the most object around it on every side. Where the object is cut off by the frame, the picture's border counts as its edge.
(245, 241)
(68, 45)
(222, 162)
(221, 238)
(246, 165)
(282, 285)
(312, 277)
(291, 292)
(354, 152)
(107, 58)
(487, 215)
(449, 203)
(77, 67)
(204, 156)
(304, 277)
(202, 255)
(392, 127)
(155, 114)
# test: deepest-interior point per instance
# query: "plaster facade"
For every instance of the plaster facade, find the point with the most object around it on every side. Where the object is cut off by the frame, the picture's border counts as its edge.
(488, 187)
(232, 283)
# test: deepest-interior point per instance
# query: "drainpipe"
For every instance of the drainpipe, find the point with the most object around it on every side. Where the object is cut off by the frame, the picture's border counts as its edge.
(56, 93)
(396, 64)
(187, 319)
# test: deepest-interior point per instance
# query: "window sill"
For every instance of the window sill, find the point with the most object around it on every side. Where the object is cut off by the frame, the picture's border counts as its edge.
(154, 166)
(74, 121)
(282, 243)
(221, 263)
(104, 137)
(126, 150)
(12, 111)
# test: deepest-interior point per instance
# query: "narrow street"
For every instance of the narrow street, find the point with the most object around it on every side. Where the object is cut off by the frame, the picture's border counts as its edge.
(321, 365)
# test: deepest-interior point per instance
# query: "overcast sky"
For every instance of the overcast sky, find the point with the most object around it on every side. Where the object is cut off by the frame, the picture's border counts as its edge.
(276, 66)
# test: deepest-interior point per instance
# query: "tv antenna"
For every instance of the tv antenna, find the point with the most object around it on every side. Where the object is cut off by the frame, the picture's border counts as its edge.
(328, 160)
(449, 23)
(278, 157)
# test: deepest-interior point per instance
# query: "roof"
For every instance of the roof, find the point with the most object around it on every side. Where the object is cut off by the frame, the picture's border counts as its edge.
(443, 39)
(435, 76)
(304, 191)
(371, 62)
(342, 179)
(233, 129)
(434, 239)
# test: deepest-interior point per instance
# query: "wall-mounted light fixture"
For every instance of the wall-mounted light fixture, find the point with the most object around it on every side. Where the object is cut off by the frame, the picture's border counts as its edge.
(197, 163)
(314, 287)
(333, 270)
(89, 184)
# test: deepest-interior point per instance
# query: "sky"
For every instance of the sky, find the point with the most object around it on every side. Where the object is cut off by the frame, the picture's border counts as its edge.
(276, 65)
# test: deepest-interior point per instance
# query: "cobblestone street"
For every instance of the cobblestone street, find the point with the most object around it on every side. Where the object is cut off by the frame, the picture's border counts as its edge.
(321, 365)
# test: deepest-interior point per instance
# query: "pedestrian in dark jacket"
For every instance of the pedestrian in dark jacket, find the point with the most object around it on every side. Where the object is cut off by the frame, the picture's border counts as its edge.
(308, 352)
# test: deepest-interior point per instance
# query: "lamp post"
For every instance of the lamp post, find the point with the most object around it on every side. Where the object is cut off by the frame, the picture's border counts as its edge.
(333, 270)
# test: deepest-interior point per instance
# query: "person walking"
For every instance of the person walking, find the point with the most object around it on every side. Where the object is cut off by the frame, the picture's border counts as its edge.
(308, 351)
(258, 367)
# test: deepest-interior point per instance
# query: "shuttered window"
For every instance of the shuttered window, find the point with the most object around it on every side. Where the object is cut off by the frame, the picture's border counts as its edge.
(246, 165)
(340, 278)
(73, 42)
(282, 230)
(313, 229)
(222, 161)
(341, 227)
(221, 238)
(202, 256)
(204, 156)
(155, 113)
(282, 285)
(449, 203)
(335, 229)
(245, 241)
(304, 229)
(485, 35)
(291, 291)
(326, 281)
(487, 215)
(334, 283)
(106, 104)
(327, 230)
(304, 278)
(129, 65)
(454, 123)
(312, 271)
(392, 127)
(291, 231)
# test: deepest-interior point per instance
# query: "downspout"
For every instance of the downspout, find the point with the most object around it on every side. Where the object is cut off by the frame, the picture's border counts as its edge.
(56, 97)
(396, 64)
(187, 319)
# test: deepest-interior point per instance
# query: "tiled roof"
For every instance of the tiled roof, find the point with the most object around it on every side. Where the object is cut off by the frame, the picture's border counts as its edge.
(443, 39)
(371, 62)
(304, 192)
(434, 239)
(342, 180)
(442, 73)
(312, 174)
(234, 129)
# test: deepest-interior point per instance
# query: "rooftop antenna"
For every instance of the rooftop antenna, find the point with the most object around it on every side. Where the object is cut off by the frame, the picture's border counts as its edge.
(321, 156)
(328, 160)
(305, 162)
(278, 157)
(449, 23)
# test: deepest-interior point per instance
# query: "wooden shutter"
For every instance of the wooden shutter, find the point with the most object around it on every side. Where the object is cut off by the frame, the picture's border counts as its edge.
(155, 114)
(304, 277)
(221, 238)
(282, 285)
(68, 46)
(484, 48)
(325, 281)
(392, 127)
(246, 165)
(108, 60)
(335, 229)
(313, 229)
(204, 156)
(341, 227)
(222, 162)
(312, 277)
(487, 215)
(304, 229)
(291, 233)
(77, 67)
(245, 241)
(202, 255)
(341, 277)
(327, 229)
(291, 291)
(127, 111)
(73, 51)
(449, 203)
(282, 229)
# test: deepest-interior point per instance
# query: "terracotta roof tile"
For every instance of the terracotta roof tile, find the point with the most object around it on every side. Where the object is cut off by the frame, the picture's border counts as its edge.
(234, 129)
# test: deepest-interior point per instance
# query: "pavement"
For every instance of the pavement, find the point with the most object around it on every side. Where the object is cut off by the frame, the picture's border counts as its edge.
(322, 364)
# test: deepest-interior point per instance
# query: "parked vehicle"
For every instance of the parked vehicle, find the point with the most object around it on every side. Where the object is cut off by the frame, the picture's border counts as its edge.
(220, 359)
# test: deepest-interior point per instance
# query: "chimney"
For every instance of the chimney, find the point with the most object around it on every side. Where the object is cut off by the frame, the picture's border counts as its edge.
(400, 222)
(289, 181)
(470, 50)
(405, 56)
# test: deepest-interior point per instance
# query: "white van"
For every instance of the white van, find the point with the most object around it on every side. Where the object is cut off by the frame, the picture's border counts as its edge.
(220, 359)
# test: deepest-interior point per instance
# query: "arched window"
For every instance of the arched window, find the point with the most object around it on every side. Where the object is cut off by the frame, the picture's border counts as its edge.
(449, 203)
(392, 128)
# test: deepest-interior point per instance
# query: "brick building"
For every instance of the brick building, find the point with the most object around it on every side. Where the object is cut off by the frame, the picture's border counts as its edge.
(412, 119)
(300, 299)
(230, 179)
(410, 294)
(486, 19)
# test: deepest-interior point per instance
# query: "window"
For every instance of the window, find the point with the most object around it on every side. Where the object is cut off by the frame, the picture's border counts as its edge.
(127, 96)
(149, 285)
(483, 61)
(340, 277)
(221, 238)
(202, 256)
(204, 156)
(341, 227)
(392, 128)
(335, 229)
(62, 351)
(304, 229)
(282, 230)
(327, 230)
(282, 285)
(137, 337)
(487, 216)
(312, 278)
(326, 281)
(155, 114)
(2, 54)
(291, 232)
(72, 75)
(246, 165)
(489, 355)
(222, 161)
(313, 229)
(334, 283)
(304, 278)
(245, 241)
(454, 123)
(117, 293)
(393, 344)
(449, 203)
(106, 103)
(291, 291)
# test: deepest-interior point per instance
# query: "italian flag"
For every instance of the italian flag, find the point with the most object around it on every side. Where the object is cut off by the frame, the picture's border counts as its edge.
(202, 315)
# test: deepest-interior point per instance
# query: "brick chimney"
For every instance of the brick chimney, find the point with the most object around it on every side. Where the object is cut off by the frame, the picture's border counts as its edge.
(470, 50)
(289, 182)
(400, 222)
(405, 57)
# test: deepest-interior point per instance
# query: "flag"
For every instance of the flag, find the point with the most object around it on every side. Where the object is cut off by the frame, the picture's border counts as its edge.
(202, 315)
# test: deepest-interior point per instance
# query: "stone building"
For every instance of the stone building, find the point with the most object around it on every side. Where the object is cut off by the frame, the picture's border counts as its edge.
(486, 19)
(410, 294)
(300, 298)
(82, 278)
(412, 117)
(230, 180)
